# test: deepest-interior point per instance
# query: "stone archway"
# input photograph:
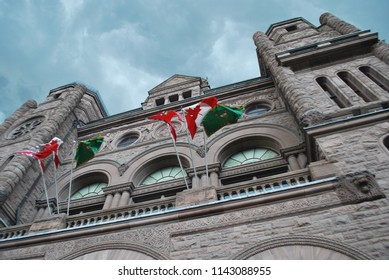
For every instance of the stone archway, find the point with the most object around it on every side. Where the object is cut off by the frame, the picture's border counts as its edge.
(114, 254)
(116, 251)
(298, 247)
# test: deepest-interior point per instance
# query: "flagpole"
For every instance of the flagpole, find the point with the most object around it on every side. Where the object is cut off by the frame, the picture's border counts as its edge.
(55, 182)
(45, 188)
(178, 157)
(190, 150)
(205, 155)
(71, 179)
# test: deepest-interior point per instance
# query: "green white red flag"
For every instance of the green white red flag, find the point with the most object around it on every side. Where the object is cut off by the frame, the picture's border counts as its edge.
(220, 116)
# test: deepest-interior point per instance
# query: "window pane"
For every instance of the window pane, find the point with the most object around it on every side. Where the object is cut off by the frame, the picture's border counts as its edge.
(250, 156)
(163, 175)
(89, 190)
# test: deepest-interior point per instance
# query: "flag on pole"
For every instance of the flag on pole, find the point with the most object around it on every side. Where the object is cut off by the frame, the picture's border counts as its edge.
(48, 149)
(166, 116)
(219, 117)
(195, 114)
(87, 149)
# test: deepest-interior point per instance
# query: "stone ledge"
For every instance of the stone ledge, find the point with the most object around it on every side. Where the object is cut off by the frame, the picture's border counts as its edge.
(48, 224)
(196, 196)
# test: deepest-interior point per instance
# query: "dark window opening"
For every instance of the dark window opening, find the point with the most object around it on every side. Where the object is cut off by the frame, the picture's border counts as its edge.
(291, 28)
(357, 87)
(332, 93)
(173, 98)
(160, 101)
(376, 77)
(187, 94)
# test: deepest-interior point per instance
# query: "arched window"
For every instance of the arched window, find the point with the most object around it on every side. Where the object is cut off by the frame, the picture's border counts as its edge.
(376, 77)
(89, 191)
(359, 89)
(163, 175)
(249, 156)
(332, 92)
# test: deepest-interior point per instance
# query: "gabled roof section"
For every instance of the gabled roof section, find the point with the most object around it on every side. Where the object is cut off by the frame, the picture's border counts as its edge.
(174, 81)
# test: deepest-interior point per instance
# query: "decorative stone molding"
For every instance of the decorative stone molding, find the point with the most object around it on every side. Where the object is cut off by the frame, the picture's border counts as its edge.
(200, 170)
(358, 187)
(119, 188)
(311, 117)
(201, 151)
(114, 246)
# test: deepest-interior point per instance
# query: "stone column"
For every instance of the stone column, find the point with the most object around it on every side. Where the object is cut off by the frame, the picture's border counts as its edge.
(108, 201)
(204, 180)
(116, 199)
(117, 195)
(124, 198)
(214, 178)
(293, 163)
(302, 160)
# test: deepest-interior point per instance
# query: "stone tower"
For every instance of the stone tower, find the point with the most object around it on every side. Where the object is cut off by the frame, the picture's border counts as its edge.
(33, 124)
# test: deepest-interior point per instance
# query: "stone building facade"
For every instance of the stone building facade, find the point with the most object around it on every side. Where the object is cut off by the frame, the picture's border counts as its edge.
(302, 175)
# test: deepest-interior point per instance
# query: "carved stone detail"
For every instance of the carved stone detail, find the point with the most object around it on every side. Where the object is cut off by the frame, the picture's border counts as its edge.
(311, 117)
(358, 187)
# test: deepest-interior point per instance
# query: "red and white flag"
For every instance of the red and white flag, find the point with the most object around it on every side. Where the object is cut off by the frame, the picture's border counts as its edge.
(167, 116)
(48, 149)
(195, 114)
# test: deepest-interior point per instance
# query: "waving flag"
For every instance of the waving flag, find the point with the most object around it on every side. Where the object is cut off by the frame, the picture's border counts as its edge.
(195, 114)
(221, 116)
(87, 149)
(48, 149)
(166, 117)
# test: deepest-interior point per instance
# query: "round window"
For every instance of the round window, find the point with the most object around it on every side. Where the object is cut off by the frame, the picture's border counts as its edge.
(25, 128)
(257, 109)
(127, 140)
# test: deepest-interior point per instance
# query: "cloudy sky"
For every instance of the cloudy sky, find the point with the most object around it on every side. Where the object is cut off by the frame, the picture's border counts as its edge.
(124, 48)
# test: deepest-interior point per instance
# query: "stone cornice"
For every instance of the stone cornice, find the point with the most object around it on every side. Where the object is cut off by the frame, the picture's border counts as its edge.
(119, 188)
